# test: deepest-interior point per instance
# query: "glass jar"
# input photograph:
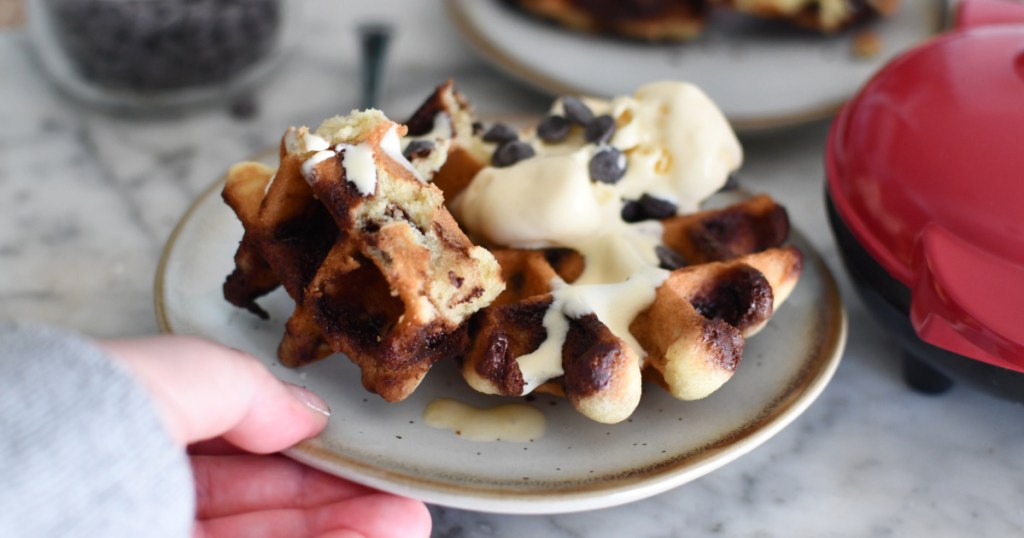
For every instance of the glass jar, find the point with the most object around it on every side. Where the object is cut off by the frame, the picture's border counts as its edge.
(153, 54)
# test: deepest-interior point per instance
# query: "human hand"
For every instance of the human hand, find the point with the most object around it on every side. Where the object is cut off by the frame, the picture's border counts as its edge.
(233, 415)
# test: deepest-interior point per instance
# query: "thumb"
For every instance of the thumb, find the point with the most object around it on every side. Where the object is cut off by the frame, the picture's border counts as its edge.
(205, 390)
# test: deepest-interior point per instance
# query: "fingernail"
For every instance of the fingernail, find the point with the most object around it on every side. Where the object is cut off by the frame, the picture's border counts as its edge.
(307, 397)
(344, 533)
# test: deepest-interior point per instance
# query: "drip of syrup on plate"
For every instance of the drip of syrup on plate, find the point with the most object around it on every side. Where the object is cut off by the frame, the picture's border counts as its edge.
(517, 423)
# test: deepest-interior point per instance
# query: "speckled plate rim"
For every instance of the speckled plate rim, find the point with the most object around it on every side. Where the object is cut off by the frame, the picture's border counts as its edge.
(742, 124)
(575, 496)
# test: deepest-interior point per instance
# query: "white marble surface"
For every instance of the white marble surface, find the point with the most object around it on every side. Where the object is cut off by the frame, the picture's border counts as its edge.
(86, 202)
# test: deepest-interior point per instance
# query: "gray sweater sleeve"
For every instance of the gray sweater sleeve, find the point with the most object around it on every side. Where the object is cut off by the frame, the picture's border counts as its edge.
(83, 451)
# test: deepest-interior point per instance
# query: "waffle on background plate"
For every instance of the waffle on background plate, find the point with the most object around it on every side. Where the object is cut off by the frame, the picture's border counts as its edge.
(681, 20)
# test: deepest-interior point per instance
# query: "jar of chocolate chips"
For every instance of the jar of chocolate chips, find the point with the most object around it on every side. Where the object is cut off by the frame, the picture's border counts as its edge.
(153, 54)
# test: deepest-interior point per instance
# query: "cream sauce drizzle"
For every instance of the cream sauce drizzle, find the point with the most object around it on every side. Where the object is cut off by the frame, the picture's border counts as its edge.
(536, 195)
(309, 164)
(679, 147)
(517, 423)
(684, 147)
(359, 160)
(391, 144)
(545, 362)
(315, 143)
(360, 167)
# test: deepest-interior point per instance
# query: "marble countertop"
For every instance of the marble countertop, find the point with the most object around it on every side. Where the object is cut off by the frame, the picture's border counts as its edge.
(87, 201)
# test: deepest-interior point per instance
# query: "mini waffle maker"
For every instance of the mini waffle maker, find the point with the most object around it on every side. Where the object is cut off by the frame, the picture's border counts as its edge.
(925, 195)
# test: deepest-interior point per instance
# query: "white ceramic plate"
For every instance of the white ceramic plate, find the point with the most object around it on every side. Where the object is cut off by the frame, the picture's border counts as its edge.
(577, 464)
(762, 74)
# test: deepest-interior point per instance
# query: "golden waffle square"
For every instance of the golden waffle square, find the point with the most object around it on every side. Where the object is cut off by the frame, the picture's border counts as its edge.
(375, 263)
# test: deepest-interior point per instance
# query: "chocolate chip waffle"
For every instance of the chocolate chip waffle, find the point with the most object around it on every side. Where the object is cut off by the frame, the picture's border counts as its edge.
(681, 20)
(376, 265)
(599, 271)
(673, 20)
(826, 16)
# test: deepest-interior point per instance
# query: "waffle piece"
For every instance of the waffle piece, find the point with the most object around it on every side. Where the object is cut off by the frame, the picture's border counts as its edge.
(444, 126)
(378, 268)
(528, 273)
(598, 372)
(692, 334)
(681, 20)
(713, 235)
(825, 16)
(252, 277)
(668, 20)
(712, 308)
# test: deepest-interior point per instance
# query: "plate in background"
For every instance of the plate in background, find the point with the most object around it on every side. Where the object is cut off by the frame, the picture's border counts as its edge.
(762, 74)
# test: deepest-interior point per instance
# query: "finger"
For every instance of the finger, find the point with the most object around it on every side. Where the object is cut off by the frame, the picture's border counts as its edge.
(205, 390)
(342, 533)
(376, 515)
(228, 485)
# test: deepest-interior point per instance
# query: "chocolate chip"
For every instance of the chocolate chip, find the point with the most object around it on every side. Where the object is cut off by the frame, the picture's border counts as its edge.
(608, 165)
(657, 208)
(668, 258)
(500, 133)
(553, 129)
(510, 153)
(632, 211)
(478, 127)
(576, 111)
(647, 208)
(418, 149)
(600, 130)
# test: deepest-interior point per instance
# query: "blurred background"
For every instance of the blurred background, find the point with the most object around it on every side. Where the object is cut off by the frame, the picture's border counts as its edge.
(93, 181)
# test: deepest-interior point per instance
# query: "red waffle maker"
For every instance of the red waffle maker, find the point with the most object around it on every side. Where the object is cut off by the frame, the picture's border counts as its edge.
(925, 195)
